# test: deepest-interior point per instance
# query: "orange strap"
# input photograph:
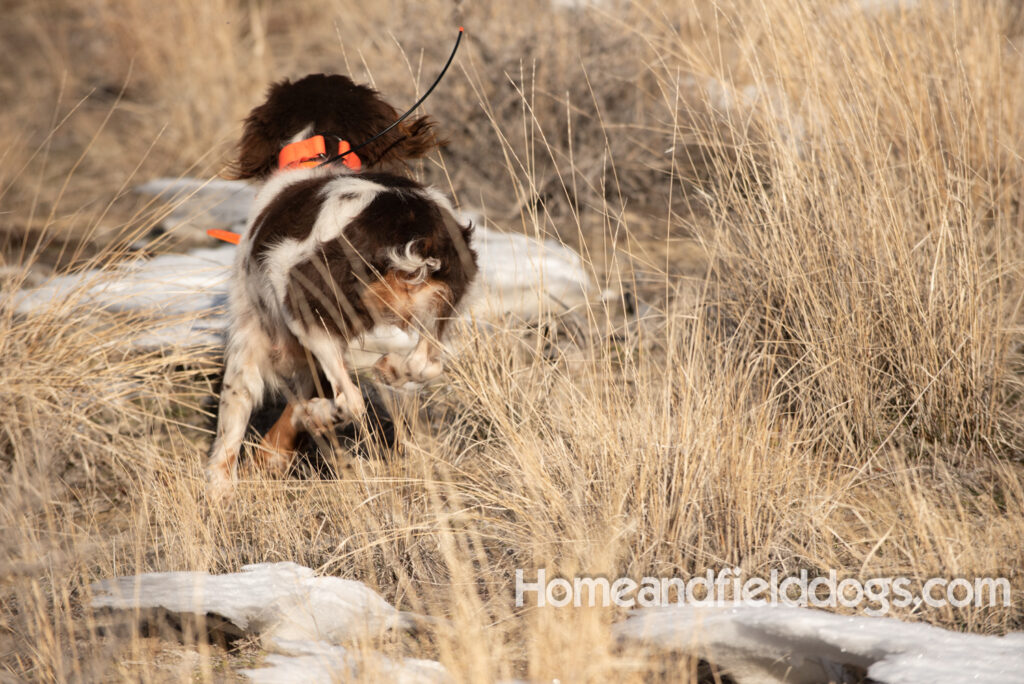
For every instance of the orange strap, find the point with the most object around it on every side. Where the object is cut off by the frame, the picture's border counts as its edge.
(225, 235)
(312, 152)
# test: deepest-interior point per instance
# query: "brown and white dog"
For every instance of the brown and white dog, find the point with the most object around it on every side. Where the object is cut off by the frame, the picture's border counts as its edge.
(329, 253)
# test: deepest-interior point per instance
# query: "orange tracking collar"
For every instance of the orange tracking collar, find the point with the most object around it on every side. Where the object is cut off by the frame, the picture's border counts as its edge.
(299, 155)
(313, 152)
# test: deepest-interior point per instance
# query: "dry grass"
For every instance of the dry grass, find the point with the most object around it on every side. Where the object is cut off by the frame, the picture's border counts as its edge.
(833, 381)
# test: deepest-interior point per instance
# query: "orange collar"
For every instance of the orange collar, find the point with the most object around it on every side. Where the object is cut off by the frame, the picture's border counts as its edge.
(313, 152)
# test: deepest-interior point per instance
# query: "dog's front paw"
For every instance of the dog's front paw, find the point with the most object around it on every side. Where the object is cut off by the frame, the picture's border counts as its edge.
(220, 482)
(420, 368)
(399, 371)
(352, 407)
(317, 416)
(391, 370)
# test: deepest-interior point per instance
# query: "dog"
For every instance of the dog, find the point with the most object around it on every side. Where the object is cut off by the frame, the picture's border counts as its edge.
(329, 252)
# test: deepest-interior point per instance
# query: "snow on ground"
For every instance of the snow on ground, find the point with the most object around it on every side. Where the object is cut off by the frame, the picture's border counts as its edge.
(213, 203)
(308, 662)
(768, 644)
(301, 619)
(186, 294)
(308, 625)
(276, 600)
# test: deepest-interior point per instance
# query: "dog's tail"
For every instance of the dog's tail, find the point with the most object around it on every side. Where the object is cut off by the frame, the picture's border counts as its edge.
(415, 268)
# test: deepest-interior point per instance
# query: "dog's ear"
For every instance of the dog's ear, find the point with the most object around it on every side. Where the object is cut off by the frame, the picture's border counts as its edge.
(409, 140)
(257, 152)
(258, 149)
(418, 138)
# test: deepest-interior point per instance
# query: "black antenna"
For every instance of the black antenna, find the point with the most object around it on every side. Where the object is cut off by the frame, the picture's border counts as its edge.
(411, 109)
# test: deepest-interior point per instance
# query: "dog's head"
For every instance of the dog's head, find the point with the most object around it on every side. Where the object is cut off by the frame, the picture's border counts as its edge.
(329, 104)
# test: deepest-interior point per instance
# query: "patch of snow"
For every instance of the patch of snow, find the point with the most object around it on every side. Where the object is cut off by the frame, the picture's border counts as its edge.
(301, 619)
(526, 277)
(275, 600)
(300, 662)
(772, 643)
(187, 292)
(196, 204)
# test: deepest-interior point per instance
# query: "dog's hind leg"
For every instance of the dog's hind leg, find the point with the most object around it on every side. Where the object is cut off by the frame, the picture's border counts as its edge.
(247, 360)
(277, 447)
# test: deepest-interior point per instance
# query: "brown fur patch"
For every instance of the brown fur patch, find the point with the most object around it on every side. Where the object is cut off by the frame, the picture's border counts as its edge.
(291, 214)
(392, 299)
(276, 450)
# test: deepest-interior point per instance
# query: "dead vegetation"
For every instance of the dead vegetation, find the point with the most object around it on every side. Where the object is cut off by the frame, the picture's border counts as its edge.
(817, 207)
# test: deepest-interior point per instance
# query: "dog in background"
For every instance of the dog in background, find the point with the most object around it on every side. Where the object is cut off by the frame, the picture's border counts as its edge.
(331, 251)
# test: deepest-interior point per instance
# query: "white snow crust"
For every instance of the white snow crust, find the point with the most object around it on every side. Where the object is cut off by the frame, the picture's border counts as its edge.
(303, 621)
(769, 644)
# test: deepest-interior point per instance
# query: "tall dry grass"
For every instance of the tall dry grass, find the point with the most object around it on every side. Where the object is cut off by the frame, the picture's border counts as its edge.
(833, 381)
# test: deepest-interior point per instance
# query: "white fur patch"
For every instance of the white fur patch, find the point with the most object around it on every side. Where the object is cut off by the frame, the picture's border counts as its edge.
(279, 261)
(306, 132)
(416, 266)
(438, 198)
